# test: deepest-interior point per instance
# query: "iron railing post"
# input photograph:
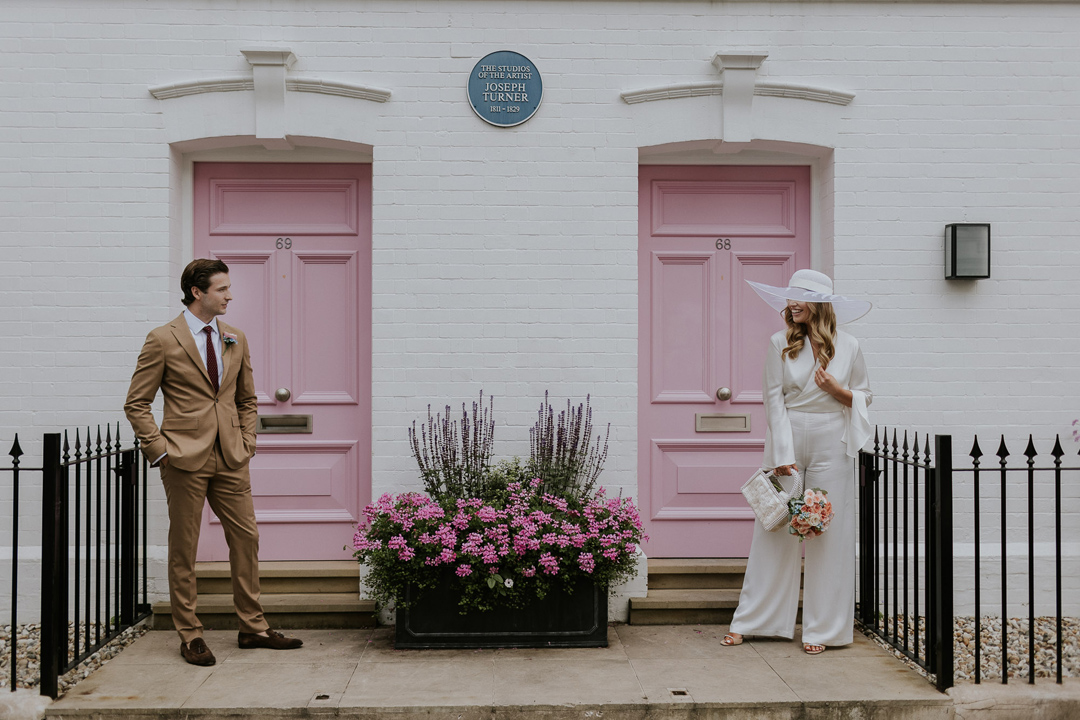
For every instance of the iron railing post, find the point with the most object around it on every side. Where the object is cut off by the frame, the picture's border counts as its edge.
(128, 586)
(867, 540)
(941, 619)
(53, 566)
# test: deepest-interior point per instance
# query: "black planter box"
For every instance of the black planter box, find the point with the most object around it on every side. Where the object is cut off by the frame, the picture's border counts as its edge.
(433, 620)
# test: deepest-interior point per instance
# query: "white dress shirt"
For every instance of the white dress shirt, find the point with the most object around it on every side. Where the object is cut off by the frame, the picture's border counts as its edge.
(197, 326)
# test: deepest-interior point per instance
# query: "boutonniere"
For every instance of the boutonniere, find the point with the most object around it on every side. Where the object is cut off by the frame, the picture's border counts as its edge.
(228, 338)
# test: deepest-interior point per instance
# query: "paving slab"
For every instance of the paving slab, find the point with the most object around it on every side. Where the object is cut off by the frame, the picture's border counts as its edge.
(657, 672)
(1045, 700)
(725, 680)
(673, 641)
(540, 680)
(270, 685)
(464, 681)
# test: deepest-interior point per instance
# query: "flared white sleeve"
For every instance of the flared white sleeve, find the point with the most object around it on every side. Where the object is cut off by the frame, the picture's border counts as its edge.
(858, 429)
(779, 445)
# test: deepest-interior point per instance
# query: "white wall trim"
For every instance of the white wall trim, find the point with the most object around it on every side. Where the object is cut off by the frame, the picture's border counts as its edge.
(207, 85)
(268, 67)
(803, 92)
(761, 89)
(329, 87)
(240, 84)
(739, 73)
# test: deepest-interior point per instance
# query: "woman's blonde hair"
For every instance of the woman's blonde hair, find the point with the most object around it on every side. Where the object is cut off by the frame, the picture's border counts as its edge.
(821, 327)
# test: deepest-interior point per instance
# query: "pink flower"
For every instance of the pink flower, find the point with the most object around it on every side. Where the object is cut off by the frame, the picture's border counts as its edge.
(550, 564)
(463, 570)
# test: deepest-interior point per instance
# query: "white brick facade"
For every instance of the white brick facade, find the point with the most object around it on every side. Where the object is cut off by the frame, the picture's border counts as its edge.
(506, 259)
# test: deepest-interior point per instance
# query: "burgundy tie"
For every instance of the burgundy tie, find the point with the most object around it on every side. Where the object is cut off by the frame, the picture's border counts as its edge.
(211, 357)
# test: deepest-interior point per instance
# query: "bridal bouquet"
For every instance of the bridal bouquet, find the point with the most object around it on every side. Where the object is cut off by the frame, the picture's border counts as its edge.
(811, 513)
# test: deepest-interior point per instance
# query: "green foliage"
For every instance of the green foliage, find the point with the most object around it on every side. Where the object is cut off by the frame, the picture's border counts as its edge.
(501, 553)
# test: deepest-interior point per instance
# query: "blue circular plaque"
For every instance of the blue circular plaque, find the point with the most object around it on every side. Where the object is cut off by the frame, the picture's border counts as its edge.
(505, 88)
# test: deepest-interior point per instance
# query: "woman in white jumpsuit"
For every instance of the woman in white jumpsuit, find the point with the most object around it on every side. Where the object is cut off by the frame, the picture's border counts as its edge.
(815, 407)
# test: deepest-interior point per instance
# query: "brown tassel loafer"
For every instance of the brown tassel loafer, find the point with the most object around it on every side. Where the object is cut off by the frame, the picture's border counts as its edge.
(196, 652)
(272, 640)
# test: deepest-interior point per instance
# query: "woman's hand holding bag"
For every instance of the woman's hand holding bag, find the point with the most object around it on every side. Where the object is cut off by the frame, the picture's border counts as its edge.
(768, 498)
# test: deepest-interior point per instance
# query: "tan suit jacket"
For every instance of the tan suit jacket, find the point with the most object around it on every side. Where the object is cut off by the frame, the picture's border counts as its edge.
(194, 415)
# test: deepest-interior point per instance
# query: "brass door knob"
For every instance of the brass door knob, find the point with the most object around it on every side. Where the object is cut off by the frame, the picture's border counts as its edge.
(723, 394)
(283, 394)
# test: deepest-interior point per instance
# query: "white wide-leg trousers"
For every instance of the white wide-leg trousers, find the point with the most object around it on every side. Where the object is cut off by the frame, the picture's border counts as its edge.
(770, 594)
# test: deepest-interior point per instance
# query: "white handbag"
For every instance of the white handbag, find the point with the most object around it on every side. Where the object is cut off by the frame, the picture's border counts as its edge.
(769, 500)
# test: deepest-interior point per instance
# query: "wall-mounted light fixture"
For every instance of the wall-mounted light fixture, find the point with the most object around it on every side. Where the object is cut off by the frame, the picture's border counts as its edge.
(967, 251)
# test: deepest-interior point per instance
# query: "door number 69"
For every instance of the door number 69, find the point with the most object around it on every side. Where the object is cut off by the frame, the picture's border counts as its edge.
(721, 244)
(286, 243)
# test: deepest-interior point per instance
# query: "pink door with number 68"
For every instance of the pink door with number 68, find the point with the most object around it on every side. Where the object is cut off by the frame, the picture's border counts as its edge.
(297, 240)
(704, 231)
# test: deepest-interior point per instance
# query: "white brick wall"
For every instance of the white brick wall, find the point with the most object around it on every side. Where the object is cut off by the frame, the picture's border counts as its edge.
(506, 259)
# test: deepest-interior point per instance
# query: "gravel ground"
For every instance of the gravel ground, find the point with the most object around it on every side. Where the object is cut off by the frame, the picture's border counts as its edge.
(28, 658)
(990, 647)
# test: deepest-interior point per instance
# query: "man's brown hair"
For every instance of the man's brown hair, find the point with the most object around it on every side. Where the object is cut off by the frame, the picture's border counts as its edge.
(198, 274)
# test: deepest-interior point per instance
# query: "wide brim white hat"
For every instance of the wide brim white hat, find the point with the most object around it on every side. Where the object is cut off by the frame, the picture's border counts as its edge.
(812, 286)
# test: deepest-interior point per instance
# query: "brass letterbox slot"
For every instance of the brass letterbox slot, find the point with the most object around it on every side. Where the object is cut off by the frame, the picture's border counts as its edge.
(722, 422)
(269, 424)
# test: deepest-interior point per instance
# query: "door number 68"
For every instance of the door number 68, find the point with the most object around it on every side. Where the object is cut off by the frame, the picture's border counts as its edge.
(721, 244)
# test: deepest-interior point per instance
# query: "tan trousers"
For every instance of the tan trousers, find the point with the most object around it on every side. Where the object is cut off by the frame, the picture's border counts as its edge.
(229, 494)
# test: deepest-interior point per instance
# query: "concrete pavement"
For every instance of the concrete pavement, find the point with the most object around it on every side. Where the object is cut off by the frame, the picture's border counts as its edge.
(675, 671)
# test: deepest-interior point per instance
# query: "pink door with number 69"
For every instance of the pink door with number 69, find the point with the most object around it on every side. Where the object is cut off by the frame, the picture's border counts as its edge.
(297, 240)
(704, 231)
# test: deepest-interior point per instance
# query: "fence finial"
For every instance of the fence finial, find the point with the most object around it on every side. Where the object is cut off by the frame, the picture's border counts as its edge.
(976, 451)
(16, 450)
(1057, 452)
(1030, 452)
(1003, 452)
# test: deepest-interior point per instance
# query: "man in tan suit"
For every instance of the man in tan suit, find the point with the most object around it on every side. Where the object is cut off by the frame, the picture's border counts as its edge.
(207, 436)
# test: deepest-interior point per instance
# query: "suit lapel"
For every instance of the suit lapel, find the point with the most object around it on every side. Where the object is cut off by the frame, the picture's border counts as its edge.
(226, 350)
(182, 333)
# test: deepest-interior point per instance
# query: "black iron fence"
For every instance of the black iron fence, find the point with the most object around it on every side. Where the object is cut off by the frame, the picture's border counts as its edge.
(93, 547)
(907, 555)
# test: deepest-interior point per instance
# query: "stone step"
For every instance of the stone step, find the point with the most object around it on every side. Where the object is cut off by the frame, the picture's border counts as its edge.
(716, 573)
(687, 598)
(316, 594)
(690, 591)
(324, 576)
(696, 566)
(684, 607)
(291, 610)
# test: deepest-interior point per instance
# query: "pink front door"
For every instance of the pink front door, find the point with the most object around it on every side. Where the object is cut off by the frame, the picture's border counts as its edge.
(297, 240)
(704, 231)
